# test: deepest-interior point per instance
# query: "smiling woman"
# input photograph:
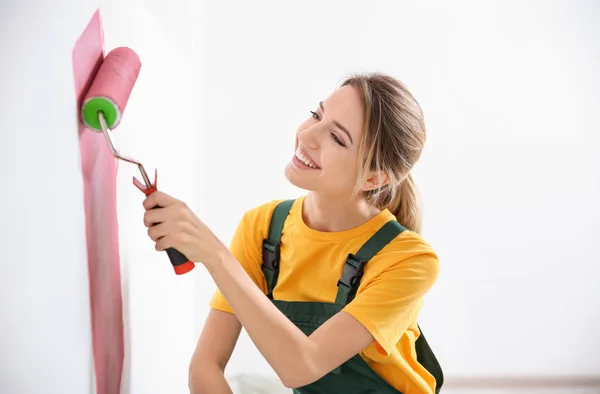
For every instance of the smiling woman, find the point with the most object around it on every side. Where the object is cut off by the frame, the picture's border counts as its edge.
(328, 286)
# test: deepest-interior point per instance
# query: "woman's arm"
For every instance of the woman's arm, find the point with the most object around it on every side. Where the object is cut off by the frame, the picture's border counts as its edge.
(215, 345)
(297, 359)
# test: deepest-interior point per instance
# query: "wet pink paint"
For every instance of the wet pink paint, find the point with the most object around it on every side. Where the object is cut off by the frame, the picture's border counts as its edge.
(99, 170)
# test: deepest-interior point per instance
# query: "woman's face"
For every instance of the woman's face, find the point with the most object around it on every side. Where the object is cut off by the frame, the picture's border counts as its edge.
(326, 156)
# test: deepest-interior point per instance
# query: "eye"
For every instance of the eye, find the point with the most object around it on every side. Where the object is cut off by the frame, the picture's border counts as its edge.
(337, 140)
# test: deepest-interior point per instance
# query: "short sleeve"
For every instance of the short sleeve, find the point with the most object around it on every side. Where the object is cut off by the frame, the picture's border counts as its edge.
(386, 303)
(246, 247)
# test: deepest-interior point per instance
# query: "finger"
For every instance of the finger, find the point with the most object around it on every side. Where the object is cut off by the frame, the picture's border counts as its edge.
(160, 199)
(163, 244)
(155, 216)
(158, 231)
(170, 240)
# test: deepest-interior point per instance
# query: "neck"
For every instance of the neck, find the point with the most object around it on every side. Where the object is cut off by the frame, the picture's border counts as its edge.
(332, 214)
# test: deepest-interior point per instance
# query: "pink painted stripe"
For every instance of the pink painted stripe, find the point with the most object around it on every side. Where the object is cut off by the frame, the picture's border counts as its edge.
(99, 175)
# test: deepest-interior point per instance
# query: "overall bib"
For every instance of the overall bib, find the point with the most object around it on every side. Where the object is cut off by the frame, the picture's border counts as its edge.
(354, 376)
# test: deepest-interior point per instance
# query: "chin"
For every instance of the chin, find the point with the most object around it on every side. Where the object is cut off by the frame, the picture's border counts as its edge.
(297, 179)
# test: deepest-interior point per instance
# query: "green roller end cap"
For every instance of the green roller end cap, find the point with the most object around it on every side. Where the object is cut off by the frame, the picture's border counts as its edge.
(90, 109)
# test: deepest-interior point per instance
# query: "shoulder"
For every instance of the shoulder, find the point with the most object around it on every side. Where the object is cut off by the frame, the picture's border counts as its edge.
(252, 229)
(258, 218)
(264, 209)
(408, 244)
(406, 255)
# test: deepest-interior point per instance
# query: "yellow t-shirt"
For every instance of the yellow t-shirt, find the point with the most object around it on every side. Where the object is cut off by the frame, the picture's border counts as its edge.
(389, 297)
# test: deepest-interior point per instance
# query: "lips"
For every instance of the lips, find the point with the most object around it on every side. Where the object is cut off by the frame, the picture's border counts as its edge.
(306, 159)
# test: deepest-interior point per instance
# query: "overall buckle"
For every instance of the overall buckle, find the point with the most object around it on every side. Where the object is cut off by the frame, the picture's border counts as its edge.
(270, 255)
(353, 271)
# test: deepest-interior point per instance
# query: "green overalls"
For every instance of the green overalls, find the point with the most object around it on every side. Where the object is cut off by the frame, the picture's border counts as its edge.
(355, 376)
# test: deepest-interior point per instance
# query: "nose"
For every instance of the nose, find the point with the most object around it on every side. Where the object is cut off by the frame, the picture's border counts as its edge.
(310, 136)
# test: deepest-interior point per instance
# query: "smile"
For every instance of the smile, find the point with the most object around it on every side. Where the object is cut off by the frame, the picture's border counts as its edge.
(303, 159)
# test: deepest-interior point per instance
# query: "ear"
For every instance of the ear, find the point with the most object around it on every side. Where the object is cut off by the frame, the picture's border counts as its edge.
(375, 180)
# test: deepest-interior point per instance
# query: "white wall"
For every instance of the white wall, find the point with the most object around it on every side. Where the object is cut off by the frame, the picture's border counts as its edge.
(44, 303)
(510, 172)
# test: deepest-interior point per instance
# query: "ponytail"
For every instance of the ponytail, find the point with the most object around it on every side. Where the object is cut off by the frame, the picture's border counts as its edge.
(405, 205)
(392, 142)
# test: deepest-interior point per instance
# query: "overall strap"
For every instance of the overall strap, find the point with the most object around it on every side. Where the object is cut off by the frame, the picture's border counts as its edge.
(353, 269)
(271, 250)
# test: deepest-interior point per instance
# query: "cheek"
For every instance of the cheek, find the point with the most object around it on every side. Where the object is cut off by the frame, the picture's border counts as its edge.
(346, 166)
(339, 163)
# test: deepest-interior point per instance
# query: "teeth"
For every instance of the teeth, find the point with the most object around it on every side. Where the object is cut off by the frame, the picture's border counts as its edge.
(305, 160)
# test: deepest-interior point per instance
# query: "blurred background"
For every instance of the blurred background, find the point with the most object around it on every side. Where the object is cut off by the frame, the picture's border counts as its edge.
(509, 178)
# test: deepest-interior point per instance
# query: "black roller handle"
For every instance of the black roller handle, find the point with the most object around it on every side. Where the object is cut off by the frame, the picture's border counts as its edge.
(180, 263)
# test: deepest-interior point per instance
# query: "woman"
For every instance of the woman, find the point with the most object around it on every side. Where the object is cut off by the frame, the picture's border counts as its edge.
(328, 286)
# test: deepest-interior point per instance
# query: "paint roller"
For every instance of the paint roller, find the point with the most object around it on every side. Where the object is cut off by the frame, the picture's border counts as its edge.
(102, 110)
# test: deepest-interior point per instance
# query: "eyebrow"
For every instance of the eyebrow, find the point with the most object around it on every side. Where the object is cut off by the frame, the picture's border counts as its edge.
(338, 124)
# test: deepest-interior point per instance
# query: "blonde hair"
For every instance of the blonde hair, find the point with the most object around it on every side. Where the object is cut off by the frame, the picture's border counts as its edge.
(392, 141)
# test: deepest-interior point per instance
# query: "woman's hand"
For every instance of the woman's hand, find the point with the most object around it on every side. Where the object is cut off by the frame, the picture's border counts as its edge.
(174, 225)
